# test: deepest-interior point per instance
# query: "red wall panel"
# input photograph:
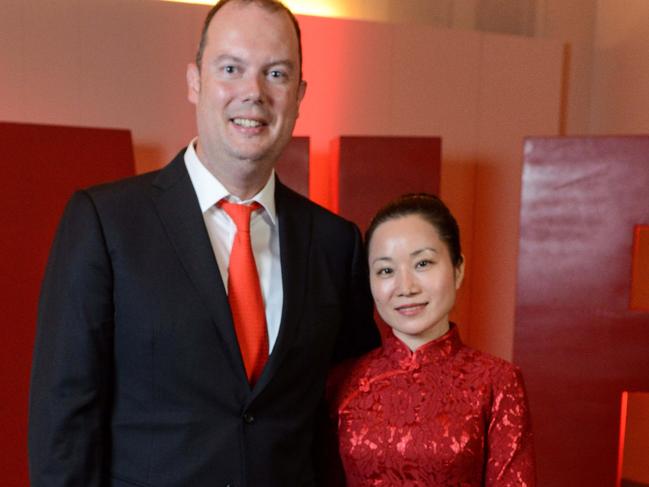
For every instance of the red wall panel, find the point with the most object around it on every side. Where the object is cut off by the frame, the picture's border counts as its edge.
(40, 168)
(293, 165)
(576, 338)
(640, 269)
(374, 170)
(634, 440)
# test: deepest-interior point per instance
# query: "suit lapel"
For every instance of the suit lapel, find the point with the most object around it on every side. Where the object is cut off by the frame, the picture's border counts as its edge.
(294, 243)
(178, 208)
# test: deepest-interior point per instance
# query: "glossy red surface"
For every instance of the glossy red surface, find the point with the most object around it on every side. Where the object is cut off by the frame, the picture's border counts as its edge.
(640, 269)
(576, 340)
(443, 415)
(41, 166)
(293, 166)
(374, 170)
(634, 445)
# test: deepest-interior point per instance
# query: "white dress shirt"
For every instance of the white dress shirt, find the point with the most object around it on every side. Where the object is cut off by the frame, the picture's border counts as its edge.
(264, 235)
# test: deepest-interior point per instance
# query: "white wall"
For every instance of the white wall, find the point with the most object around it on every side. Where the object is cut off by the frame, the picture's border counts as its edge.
(105, 63)
(121, 63)
(620, 101)
(573, 24)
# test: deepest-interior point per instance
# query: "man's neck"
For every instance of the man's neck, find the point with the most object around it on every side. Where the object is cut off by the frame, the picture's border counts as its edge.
(243, 178)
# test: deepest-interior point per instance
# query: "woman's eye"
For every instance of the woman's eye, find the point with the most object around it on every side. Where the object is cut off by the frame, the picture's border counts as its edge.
(384, 271)
(424, 263)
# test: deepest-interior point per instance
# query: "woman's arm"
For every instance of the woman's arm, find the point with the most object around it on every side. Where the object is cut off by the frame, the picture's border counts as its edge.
(509, 449)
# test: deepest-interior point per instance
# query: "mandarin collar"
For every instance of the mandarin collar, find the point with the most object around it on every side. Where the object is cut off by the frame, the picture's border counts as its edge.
(434, 351)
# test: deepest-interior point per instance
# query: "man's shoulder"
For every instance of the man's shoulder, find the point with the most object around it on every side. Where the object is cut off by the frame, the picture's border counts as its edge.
(122, 183)
(132, 184)
(139, 185)
(291, 200)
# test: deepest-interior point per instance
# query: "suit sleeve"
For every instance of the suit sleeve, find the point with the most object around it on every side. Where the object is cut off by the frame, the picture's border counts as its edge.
(359, 333)
(510, 453)
(71, 379)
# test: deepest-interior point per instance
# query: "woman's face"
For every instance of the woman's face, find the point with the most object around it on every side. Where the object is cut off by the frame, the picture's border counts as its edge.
(412, 278)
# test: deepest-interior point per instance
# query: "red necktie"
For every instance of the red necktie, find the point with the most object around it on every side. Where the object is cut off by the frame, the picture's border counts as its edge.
(244, 293)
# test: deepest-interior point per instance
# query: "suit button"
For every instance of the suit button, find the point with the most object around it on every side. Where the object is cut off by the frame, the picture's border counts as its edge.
(248, 418)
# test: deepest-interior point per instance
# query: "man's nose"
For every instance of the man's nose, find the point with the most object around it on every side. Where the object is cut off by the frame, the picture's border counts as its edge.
(253, 89)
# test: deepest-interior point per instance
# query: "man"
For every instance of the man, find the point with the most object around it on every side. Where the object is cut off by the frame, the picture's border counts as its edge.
(142, 374)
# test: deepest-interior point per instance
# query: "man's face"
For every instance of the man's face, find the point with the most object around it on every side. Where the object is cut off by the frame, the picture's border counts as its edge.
(248, 90)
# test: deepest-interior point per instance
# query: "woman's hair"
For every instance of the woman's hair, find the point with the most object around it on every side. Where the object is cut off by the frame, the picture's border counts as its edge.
(431, 209)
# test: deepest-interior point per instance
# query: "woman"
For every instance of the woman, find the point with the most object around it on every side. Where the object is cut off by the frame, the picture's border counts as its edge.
(424, 409)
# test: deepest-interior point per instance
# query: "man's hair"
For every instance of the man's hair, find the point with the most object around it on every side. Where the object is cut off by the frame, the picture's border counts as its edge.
(270, 5)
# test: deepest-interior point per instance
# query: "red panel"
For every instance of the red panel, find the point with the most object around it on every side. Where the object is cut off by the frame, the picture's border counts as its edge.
(640, 269)
(620, 451)
(293, 166)
(41, 167)
(634, 443)
(577, 341)
(374, 170)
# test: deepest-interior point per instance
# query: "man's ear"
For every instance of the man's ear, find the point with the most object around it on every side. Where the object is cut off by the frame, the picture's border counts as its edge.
(301, 91)
(193, 76)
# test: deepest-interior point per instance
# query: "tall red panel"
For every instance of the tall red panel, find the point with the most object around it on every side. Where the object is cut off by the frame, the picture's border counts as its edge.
(576, 338)
(634, 448)
(293, 165)
(40, 168)
(374, 170)
(640, 270)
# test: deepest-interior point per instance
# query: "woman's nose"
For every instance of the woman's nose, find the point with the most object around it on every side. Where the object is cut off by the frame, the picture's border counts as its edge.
(407, 284)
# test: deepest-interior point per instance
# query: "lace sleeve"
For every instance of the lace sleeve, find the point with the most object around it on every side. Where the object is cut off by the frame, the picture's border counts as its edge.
(510, 454)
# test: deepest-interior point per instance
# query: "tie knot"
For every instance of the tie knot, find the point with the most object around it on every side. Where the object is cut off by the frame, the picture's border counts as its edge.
(239, 213)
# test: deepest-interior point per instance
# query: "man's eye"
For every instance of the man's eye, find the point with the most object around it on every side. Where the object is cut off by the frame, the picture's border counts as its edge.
(277, 74)
(229, 69)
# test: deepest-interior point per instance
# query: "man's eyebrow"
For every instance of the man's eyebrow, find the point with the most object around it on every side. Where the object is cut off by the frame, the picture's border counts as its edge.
(227, 57)
(285, 62)
(235, 59)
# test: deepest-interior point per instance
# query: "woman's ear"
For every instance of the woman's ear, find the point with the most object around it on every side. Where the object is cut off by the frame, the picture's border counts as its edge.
(459, 273)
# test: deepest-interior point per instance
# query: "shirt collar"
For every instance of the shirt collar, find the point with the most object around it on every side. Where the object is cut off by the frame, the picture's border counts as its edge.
(210, 190)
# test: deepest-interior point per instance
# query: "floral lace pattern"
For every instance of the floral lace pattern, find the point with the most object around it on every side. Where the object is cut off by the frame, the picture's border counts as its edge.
(444, 415)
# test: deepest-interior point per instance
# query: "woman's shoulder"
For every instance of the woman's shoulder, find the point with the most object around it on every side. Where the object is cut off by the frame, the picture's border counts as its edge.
(349, 374)
(490, 367)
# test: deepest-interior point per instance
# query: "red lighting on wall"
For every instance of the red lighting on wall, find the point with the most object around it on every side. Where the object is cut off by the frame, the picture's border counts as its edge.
(620, 451)
(640, 269)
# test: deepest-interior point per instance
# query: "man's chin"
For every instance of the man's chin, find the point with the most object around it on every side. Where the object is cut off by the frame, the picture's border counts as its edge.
(256, 155)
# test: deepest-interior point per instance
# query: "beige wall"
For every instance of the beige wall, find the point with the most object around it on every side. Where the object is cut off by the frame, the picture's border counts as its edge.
(121, 63)
(104, 63)
(620, 101)
(573, 24)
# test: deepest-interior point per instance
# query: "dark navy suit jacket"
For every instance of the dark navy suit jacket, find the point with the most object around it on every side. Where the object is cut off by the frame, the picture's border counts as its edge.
(137, 377)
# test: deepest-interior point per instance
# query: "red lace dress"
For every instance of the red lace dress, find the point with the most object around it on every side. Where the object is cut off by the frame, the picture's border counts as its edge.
(445, 415)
